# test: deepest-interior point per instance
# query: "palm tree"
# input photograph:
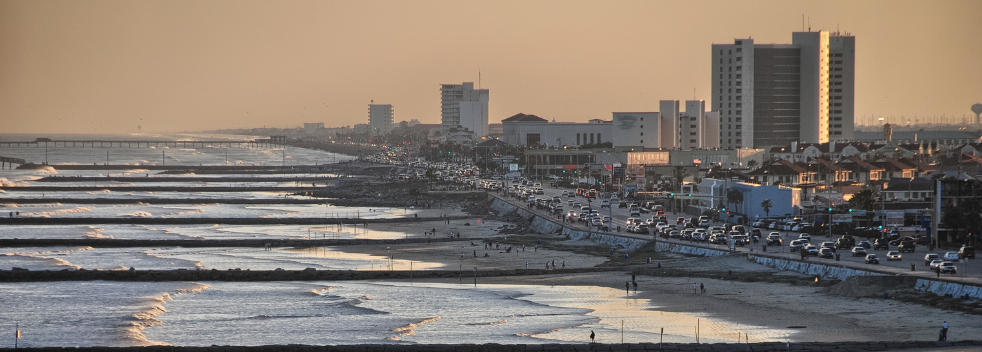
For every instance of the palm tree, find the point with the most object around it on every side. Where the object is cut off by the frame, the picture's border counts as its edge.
(766, 204)
(866, 200)
(734, 196)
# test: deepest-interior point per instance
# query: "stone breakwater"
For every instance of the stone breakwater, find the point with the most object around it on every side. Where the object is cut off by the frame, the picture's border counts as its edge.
(225, 221)
(299, 243)
(599, 347)
(238, 275)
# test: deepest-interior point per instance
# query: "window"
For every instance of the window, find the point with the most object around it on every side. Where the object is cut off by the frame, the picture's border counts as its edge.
(739, 90)
(578, 139)
(739, 141)
(738, 119)
(739, 58)
(739, 76)
(837, 104)
(598, 138)
(837, 97)
(692, 126)
(730, 76)
(739, 105)
(738, 112)
(836, 132)
(693, 141)
(836, 119)
(739, 49)
(836, 111)
(642, 134)
(591, 138)
(642, 141)
(642, 126)
(738, 126)
(837, 83)
(692, 133)
(739, 97)
(532, 139)
(836, 76)
(720, 76)
(837, 91)
(837, 69)
(739, 68)
(837, 62)
(730, 69)
(738, 134)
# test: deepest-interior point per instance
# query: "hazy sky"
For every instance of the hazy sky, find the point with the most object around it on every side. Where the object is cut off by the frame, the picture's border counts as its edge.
(108, 66)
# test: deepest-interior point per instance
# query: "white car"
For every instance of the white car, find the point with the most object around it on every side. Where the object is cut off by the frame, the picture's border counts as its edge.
(950, 256)
(805, 236)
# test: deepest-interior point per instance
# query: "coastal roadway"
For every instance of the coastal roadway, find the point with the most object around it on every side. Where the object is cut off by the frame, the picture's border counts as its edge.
(969, 270)
(131, 179)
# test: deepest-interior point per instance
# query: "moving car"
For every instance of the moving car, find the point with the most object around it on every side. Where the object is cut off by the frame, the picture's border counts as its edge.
(950, 255)
(811, 250)
(858, 251)
(948, 267)
(930, 257)
(935, 264)
(907, 246)
(774, 239)
(881, 243)
(872, 259)
(893, 255)
(966, 252)
(825, 252)
(796, 245)
(865, 244)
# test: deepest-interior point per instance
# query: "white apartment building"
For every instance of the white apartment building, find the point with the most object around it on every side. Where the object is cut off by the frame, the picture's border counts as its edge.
(463, 112)
(667, 129)
(774, 94)
(380, 118)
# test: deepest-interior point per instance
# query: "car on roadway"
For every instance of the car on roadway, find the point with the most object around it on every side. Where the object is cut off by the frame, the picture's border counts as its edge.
(805, 236)
(565, 193)
(935, 264)
(774, 239)
(930, 257)
(950, 256)
(829, 245)
(858, 251)
(966, 252)
(872, 259)
(907, 246)
(948, 268)
(811, 250)
(605, 203)
(825, 252)
(865, 244)
(796, 245)
(881, 243)
(893, 255)
(597, 222)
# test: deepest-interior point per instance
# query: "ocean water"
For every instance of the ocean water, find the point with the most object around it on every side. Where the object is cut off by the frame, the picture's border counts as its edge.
(256, 313)
(220, 313)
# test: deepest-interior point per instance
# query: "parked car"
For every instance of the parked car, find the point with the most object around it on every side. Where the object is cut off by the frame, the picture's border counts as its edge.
(930, 257)
(893, 255)
(858, 251)
(950, 255)
(872, 259)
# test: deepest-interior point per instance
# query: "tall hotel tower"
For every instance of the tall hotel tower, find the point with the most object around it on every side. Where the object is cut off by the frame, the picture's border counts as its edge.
(775, 94)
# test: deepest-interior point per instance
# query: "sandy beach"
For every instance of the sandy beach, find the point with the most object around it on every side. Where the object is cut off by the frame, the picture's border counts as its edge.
(786, 301)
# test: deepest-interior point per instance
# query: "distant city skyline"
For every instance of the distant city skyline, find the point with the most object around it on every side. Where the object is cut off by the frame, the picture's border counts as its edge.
(108, 67)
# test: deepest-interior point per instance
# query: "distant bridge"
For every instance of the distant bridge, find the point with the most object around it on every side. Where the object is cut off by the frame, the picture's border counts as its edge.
(51, 143)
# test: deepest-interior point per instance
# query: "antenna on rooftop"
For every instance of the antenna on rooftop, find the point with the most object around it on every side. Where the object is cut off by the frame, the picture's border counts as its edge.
(809, 24)
(802, 22)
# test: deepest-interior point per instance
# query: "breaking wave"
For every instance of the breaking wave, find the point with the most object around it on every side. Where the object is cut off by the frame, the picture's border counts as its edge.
(410, 329)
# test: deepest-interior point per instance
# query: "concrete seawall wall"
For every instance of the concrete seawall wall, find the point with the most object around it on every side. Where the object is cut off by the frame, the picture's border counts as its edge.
(692, 250)
(817, 269)
(941, 288)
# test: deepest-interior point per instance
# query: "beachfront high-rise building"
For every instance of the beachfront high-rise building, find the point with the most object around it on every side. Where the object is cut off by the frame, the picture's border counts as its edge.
(463, 112)
(775, 94)
(380, 118)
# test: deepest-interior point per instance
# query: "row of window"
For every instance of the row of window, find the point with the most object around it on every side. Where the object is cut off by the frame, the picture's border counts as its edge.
(584, 135)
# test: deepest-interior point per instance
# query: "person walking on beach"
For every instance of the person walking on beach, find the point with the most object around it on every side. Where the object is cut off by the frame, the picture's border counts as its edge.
(702, 288)
(593, 337)
(627, 286)
(943, 335)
